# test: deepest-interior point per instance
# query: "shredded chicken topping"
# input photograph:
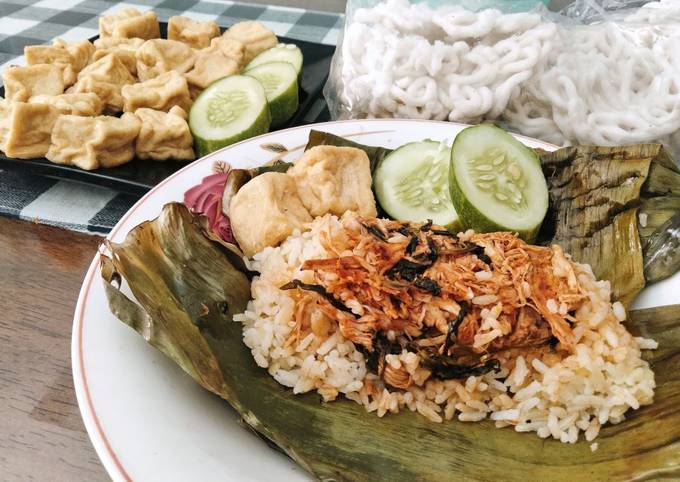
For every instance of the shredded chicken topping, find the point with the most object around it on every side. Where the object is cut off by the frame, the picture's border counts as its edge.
(453, 300)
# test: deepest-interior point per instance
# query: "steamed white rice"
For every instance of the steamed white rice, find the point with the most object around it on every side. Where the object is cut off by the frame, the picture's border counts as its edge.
(559, 398)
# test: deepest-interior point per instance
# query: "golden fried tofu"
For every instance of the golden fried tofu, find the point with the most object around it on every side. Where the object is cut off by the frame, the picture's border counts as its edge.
(26, 129)
(210, 64)
(160, 93)
(164, 135)
(123, 48)
(93, 142)
(256, 37)
(193, 33)
(71, 58)
(334, 180)
(46, 54)
(107, 43)
(85, 104)
(129, 23)
(109, 68)
(155, 57)
(127, 57)
(265, 211)
(21, 83)
(81, 52)
(230, 48)
(108, 92)
(106, 78)
(49, 54)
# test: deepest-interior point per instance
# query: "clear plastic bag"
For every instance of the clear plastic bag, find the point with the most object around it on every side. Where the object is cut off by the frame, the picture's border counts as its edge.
(605, 72)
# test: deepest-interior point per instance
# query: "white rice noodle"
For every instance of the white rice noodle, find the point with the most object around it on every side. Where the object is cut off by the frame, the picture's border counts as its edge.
(611, 83)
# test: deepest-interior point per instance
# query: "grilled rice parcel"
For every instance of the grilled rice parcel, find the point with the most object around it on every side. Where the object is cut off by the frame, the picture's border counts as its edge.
(482, 280)
(402, 316)
(406, 315)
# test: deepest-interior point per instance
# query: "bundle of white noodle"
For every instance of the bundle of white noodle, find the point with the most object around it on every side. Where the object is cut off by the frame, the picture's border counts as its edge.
(609, 83)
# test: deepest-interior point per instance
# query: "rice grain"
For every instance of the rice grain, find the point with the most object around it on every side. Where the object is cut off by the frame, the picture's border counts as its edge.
(603, 378)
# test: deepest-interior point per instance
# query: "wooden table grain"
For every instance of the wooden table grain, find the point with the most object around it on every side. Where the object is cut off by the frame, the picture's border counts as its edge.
(42, 436)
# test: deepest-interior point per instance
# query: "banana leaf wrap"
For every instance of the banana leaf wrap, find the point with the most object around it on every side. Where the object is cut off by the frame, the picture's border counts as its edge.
(606, 204)
(188, 290)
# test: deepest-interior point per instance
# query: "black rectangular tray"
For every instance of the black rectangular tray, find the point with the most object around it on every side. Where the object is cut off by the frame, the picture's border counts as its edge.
(139, 176)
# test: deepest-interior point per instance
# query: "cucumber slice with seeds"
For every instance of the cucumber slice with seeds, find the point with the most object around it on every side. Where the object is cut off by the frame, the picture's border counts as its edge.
(229, 110)
(279, 80)
(411, 184)
(290, 53)
(497, 183)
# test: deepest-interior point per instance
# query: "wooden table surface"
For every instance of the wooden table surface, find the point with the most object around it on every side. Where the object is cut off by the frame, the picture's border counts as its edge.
(42, 437)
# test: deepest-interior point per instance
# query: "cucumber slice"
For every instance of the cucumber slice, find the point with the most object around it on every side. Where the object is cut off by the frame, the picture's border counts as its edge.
(279, 80)
(290, 53)
(497, 183)
(411, 184)
(229, 110)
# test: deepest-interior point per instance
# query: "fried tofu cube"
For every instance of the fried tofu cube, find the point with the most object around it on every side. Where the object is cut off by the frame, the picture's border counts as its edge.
(71, 58)
(108, 92)
(81, 52)
(114, 43)
(164, 135)
(21, 83)
(93, 142)
(334, 180)
(49, 54)
(193, 33)
(106, 78)
(85, 104)
(27, 128)
(46, 54)
(123, 48)
(129, 23)
(210, 65)
(230, 48)
(110, 68)
(265, 211)
(256, 37)
(125, 56)
(155, 57)
(160, 93)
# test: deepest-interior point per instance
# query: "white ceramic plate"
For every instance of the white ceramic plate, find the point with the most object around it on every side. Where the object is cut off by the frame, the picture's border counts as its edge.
(149, 421)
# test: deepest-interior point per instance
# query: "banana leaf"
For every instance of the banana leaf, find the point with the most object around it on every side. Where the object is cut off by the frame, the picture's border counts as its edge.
(663, 249)
(656, 211)
(188, 291)
(185, 283)
(596, 194)
(375, 153)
